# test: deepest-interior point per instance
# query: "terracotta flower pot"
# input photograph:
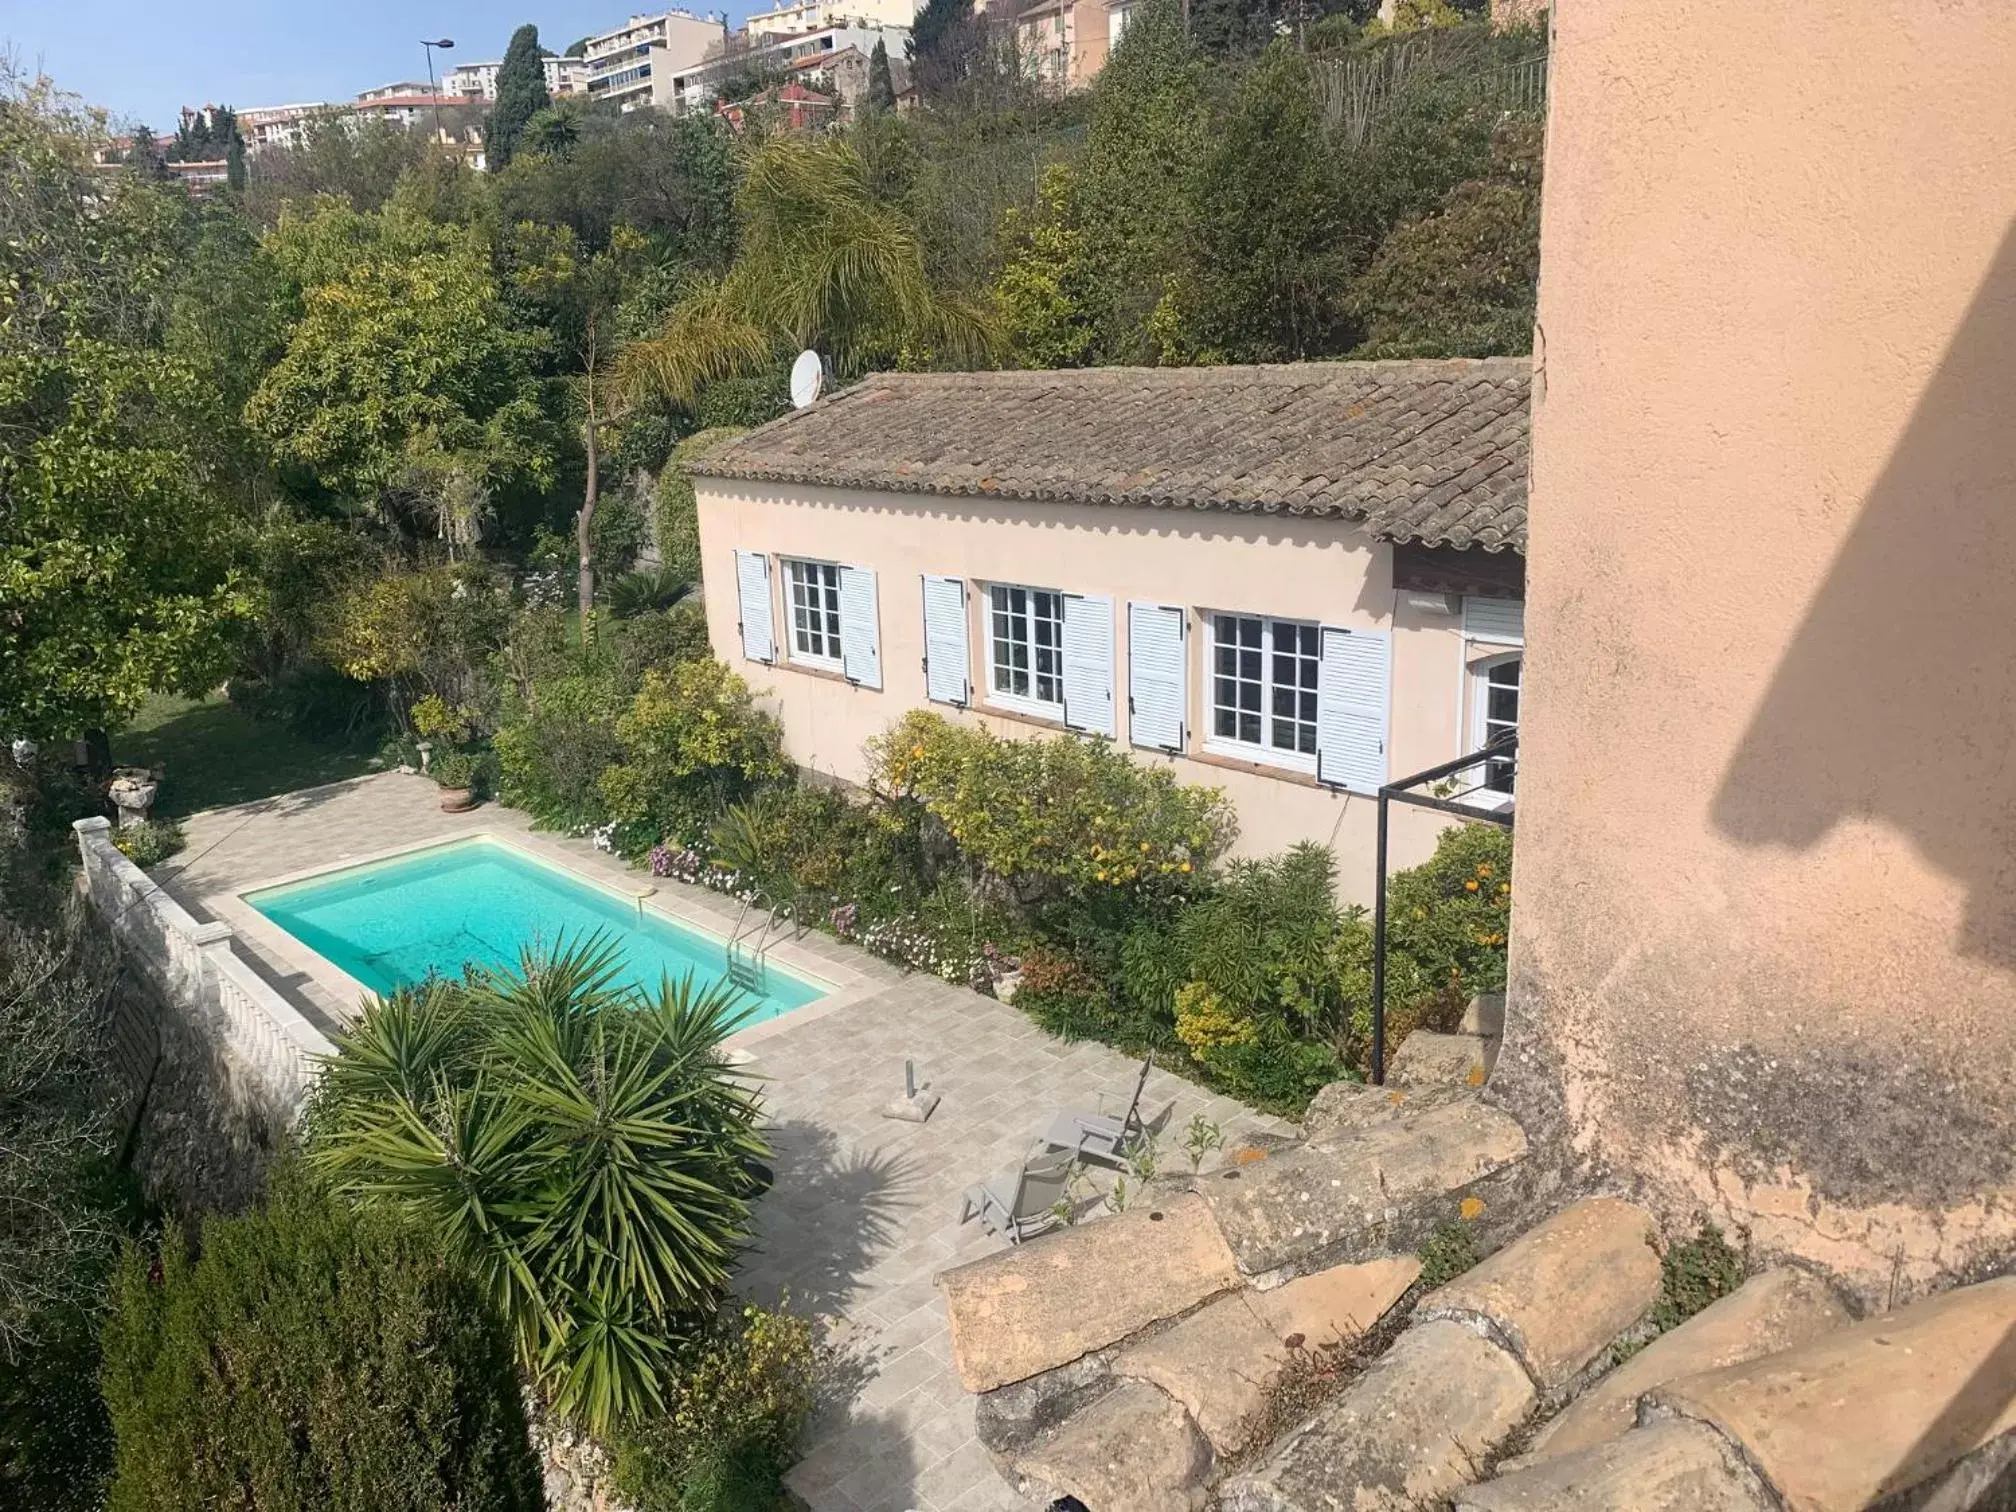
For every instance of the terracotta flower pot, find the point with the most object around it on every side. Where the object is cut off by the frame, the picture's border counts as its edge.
(457, 800)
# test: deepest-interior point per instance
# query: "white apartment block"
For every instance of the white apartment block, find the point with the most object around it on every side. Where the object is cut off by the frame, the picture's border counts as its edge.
(635, 64)
(564, 76)
(811, 15)
(696, 87)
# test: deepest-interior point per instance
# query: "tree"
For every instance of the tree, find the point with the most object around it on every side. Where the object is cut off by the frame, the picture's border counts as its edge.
(1148, 132)
(1461, 281)
(945, 40)
(881, 85)
(144, 153)
(582, 295)
(826, 266)
(403, 341)
(312, 1357)
(59, 1226)
(116, 566)
(521, 94)
(584, 1148)
(578, 48)
(1264, 251)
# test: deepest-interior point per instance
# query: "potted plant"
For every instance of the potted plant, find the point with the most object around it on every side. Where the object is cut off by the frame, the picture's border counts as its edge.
(457, 772)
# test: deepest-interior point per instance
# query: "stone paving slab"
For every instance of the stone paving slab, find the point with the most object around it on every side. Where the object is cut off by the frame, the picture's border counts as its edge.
(863, 1215)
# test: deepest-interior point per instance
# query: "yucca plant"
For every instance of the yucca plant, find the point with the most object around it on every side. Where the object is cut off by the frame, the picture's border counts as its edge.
(647, 592)
(585, 1147)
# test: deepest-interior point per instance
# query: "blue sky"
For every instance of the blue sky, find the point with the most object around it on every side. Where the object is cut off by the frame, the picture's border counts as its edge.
(145, 61)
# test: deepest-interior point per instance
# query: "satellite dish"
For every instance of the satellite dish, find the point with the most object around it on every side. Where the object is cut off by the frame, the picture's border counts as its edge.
(808, 379)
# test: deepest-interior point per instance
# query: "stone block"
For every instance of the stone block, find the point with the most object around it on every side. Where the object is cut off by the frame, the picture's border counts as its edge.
(1010, 1418)
(1668, 1467)
(1428, 1059)
(1485, 1015)
(1872, 1410)
(1043, 1304)
(1222, 1361)
(1559, 1293)
(1767, 1313)
(1418, 1425)
(1344, 1107)
(1133, 1450)
(1349, 1195)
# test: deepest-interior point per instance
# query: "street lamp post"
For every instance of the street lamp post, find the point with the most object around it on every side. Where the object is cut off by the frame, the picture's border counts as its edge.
(444, 44)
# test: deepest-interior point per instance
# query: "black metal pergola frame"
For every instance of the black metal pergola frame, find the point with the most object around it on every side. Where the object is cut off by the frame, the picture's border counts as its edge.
(1501, 749)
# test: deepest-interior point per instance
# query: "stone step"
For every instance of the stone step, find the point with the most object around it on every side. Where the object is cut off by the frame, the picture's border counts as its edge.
(1675, 1466)
(1767, 1313)
(1133, 1450)
(1223, 1361)
(1419, 1424)
(1428, 1059)
(1347, 1106)
(1035, 1306)
(1558, 1295)
(1351, 1194)
(1899, 1403)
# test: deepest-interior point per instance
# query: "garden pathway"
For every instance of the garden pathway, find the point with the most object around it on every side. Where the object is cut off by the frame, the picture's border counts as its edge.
(862, 1216)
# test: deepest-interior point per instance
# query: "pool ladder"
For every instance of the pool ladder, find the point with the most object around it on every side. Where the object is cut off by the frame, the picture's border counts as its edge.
(746, 959)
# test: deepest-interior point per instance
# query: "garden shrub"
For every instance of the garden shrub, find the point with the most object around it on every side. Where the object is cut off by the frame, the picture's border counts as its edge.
(1062, 995)
(693, 741)
(419, 631)
(583, 1148)
(659, 640)
(311, 1358)
(555, 742)
(150, 842)
(1448, 918)
(1052, 815)
(736, 1403)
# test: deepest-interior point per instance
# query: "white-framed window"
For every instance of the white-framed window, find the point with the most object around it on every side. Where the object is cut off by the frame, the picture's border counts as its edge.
(1265, 681)
(1494, 694)
(1025, 649)
(814, 589)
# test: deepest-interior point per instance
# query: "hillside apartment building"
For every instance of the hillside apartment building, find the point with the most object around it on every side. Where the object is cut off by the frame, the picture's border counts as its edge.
(1294, 582)
(564, 76)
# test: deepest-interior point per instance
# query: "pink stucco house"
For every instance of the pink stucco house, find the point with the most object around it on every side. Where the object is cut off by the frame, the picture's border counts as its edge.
(1297, 582)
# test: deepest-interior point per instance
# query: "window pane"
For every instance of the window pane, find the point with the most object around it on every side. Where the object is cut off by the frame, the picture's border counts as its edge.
(1504, 706)
(1249, 728)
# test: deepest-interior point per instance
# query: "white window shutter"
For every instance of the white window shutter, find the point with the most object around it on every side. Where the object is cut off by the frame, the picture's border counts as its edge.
(1158, 684)
(946, 662)
(1489, 619)
(752, 586)
(860, 628)
(1354, 694)
(1088, 663)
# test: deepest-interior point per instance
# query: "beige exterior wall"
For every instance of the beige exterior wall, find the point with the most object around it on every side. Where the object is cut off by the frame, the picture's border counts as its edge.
(1305, 569)
(1764, 950)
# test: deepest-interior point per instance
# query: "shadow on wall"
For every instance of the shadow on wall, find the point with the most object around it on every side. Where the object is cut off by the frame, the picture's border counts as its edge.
(1897, 699)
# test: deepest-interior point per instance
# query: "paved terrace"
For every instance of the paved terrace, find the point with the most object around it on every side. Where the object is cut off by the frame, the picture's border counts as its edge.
(861, 1217)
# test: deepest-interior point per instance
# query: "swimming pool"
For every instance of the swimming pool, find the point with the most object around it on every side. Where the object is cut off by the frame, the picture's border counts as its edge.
(478, 901)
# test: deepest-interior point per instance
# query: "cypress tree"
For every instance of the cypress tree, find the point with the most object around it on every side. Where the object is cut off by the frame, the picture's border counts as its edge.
(521, 94)
(881, 84)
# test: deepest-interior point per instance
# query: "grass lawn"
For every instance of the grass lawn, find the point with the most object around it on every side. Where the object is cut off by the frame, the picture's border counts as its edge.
(216, 754)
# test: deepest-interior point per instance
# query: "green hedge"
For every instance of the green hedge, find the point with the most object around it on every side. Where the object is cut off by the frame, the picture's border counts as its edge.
(311, 1358)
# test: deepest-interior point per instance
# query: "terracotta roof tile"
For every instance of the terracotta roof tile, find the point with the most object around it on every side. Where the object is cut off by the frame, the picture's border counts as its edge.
(1431, 450)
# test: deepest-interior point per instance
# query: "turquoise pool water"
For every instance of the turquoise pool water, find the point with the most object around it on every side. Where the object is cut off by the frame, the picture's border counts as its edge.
(392, 923)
